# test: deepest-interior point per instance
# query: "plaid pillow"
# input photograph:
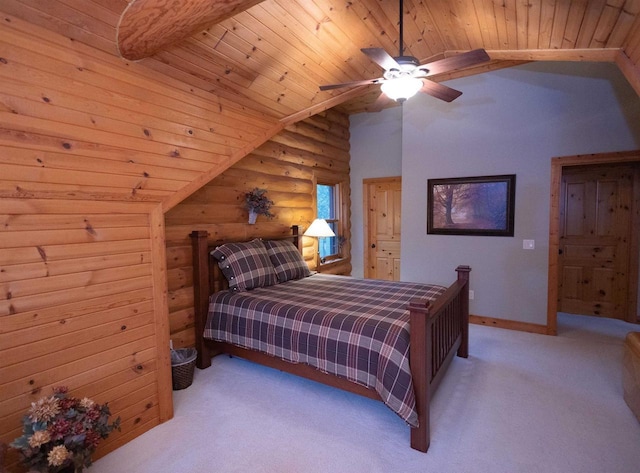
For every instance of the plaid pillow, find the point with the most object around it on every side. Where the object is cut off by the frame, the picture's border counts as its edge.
(245, 265)
(287, 260)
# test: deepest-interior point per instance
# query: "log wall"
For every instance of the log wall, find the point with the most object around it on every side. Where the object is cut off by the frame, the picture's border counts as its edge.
(287, 166)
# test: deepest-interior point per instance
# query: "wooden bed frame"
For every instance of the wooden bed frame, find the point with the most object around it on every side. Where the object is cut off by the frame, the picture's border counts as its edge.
(439, 330)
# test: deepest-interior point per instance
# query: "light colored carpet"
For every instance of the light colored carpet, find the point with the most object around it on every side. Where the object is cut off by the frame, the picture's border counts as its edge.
(521, 403)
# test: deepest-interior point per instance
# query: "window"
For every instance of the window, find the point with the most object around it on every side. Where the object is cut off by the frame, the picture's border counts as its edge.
(328, 197)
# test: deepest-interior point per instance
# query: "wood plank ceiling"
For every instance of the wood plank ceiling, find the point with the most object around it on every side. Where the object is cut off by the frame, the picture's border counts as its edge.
(272, 56)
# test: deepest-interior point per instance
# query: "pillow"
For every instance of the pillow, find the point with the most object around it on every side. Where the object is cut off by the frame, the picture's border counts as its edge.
(286, 260)
(245, 265)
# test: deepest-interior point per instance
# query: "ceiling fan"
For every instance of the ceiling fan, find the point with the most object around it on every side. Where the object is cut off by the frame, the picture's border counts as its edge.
(404, 75)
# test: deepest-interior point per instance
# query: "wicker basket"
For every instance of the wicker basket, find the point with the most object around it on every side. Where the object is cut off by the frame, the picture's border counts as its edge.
(182, 371)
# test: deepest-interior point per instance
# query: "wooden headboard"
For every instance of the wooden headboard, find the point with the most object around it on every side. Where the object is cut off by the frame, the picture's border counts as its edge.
(208, 278)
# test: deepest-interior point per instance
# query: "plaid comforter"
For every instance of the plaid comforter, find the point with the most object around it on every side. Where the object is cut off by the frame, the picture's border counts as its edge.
(354, 328)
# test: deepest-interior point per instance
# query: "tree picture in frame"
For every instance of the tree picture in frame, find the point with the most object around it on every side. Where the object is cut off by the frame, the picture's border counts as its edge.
(481, 205)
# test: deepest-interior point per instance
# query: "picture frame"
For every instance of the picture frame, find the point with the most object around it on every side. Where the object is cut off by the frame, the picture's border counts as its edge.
(482, 206)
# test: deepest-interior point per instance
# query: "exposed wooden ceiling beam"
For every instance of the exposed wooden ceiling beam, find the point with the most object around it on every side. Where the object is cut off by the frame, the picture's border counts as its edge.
(629, 70)
(147, 26)
(481, 69)
(594, 55)
(325, 105)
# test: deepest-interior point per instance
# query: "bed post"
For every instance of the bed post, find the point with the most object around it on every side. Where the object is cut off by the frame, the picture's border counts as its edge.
(200, 293)
(297, 241)
(463, 277)
(420, 357)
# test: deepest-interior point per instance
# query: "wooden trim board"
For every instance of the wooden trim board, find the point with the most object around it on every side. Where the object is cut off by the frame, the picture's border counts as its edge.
(508, 324)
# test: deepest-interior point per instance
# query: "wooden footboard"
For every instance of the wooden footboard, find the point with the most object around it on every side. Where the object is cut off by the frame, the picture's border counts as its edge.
(438, 330)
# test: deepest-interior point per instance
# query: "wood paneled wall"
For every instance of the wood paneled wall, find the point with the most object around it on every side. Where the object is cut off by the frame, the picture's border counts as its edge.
(287, 166)
(91, 150)
(77, 309)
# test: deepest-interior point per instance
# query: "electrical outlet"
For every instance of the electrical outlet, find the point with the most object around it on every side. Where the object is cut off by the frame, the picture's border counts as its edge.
(471, 294)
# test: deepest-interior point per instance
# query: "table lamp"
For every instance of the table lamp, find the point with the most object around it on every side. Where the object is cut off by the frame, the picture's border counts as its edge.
(319, 228)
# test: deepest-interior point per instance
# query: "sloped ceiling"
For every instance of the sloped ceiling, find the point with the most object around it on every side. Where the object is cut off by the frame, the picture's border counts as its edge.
(271, 56)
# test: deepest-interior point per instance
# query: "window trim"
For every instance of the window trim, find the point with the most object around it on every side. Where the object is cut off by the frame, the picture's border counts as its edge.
(340, 215)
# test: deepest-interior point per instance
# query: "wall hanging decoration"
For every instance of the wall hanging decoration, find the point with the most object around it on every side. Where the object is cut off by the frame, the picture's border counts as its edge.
(257, 203)
(471, 205)
(60, 433)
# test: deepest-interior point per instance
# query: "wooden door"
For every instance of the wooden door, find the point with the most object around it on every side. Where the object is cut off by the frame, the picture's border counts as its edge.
(382, 202)
(595, 233)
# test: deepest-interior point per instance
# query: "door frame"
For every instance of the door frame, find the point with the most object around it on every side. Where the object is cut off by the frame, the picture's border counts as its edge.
(365, 216)
(557, 164)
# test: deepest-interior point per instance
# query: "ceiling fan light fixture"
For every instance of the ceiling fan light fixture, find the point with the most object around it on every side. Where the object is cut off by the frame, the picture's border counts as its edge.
(403, 76)
(401, 88)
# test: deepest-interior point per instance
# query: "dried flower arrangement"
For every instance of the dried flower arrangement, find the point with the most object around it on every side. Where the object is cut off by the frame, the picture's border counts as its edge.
(257, 202)
(61, 432)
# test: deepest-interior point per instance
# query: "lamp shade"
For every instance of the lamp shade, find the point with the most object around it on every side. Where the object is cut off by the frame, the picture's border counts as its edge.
(401, 88)
(319, 228)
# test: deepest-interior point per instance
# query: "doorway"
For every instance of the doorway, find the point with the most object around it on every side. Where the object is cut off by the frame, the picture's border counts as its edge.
(382, 215)
(569, 275)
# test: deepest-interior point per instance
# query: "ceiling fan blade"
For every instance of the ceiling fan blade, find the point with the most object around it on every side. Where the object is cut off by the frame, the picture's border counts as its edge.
(439, 91)
(381, 58)
(354, 83)
(460, 61)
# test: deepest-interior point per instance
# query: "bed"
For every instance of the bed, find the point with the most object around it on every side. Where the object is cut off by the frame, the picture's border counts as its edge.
(292, 321)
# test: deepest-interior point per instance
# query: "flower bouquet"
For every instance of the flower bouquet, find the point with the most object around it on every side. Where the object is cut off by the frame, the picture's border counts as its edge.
(257, 203)
(61, 432)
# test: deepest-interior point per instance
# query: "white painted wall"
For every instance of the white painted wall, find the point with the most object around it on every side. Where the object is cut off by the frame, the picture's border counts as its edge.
(511, 121)
(376, 151)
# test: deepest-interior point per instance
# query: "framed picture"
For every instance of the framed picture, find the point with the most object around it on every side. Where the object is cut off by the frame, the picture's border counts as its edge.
(471, 205)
